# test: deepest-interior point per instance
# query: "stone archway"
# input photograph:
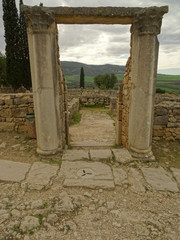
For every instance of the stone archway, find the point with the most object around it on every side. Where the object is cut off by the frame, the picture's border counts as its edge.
(135, 109)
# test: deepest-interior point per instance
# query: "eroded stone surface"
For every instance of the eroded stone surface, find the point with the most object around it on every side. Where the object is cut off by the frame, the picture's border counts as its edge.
(40, 175)
(75, 155)
(159, 179)
(86, 174)
(99, 154)
(122, 155)
(13, 171)
(176, 174)
(136, 180)
(119, 175)
(29, 223)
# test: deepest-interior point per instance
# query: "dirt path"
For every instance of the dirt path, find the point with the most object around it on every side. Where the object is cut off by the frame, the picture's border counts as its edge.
(96, 127)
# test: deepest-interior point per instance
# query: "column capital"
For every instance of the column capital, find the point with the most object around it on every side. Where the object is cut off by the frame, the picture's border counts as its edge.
(148, 21)
(40, 19)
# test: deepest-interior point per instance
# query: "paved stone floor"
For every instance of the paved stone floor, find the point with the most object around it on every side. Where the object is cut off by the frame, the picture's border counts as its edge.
(82, 168)
(91, 194)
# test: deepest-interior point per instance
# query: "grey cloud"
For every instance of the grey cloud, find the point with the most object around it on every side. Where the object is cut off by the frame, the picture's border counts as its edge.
(75, 35)
(117, 50)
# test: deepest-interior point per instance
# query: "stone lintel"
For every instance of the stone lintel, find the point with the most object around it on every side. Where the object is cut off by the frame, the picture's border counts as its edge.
(96, 15)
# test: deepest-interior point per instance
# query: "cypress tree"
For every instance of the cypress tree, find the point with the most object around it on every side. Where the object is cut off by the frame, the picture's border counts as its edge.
(11, 27)
(24, 51)
(82, 78)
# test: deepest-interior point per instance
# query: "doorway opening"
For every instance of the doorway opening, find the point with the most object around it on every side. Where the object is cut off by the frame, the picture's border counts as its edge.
(93, 47)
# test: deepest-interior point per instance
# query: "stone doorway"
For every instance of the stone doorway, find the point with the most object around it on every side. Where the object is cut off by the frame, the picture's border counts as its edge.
(136, 96)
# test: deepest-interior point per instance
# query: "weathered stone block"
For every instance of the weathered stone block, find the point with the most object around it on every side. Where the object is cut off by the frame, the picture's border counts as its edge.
(159, 179)
(13, 171)
(158, 133)
(176, 111)
(173, 125)
(2, 101)
(160, 111)
(6, 126)
(21, 100)
(9, 101)
(22, 128)
(6, 113)
(161, 120)
(19, 112)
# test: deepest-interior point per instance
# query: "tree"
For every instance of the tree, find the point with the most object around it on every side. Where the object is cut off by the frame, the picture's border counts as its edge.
(3, 79)
(105, 81)
(82, 78)
(11, 27)
(17, 53)
(24, 51)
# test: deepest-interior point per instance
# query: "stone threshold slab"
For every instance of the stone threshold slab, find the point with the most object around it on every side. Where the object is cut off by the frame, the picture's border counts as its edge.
(86, 174)
(13, 171)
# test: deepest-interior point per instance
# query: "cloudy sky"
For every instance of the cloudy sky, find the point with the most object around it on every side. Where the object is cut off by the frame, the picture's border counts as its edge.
(101, 44)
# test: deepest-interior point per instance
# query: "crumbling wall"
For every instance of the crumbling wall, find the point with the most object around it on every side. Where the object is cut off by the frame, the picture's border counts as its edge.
(124, 100)
(14, 107)
(64, 126)
(167, 118)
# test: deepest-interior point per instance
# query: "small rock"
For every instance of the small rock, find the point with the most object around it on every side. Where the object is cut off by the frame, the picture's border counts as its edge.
(87, 194)
(2, 206)
(16, 137)
(115, 224)
(100, 190)
(29, 223)
(15, 214)
(21, 207)
(52, 219)
(3, 145)
(26, 237)
(102, 210)
(100, 203)
(110, 205)
(22, 148)
(141, 230)
(115, 213)
(5, 200)
(37, 204)
(92, 207)
(16, 146)
(4, 215)
(65, 203)
(71, 225)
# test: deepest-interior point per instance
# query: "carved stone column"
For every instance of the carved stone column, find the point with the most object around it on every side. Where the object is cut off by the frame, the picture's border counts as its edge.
(44, 70)
(145, 45)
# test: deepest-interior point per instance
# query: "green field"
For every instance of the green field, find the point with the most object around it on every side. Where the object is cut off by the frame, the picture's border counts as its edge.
(169, 83)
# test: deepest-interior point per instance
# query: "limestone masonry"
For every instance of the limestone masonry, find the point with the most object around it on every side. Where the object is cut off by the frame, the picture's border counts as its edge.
(136, 99)
(13, 108)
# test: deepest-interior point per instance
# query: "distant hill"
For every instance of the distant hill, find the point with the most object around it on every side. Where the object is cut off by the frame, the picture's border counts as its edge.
(73, 68)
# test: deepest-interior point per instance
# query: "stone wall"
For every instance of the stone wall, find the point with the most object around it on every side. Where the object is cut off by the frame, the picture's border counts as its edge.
(124, 102)
(167, 118)
(13, 108)
(92, 96)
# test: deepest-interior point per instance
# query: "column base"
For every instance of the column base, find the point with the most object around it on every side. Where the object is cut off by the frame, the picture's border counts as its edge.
(142, 154)
(48, 152)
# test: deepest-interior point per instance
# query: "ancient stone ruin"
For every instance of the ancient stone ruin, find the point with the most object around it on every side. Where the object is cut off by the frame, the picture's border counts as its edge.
(136, 96)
